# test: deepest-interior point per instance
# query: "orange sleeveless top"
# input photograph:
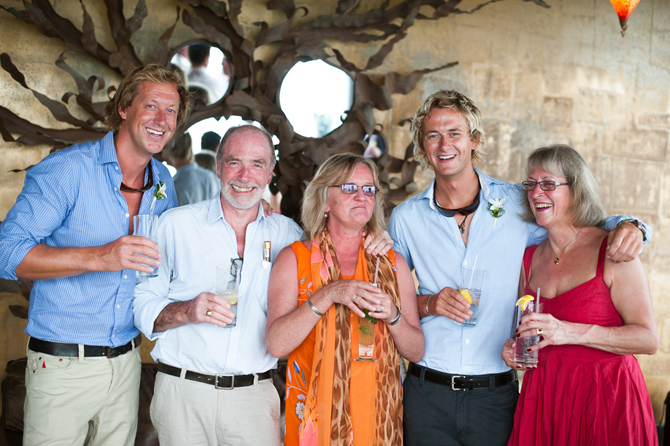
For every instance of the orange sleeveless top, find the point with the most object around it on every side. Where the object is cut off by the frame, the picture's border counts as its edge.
(362, 386)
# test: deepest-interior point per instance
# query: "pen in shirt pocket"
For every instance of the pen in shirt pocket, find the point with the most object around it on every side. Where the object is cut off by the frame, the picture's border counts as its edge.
(266, 254)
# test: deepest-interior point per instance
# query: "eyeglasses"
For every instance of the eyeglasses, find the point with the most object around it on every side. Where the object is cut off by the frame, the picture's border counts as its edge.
(544, 185)
(235, 266)
(351, 188)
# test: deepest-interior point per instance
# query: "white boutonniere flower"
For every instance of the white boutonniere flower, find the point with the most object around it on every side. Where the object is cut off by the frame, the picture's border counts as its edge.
(159, 194)
(496, 208)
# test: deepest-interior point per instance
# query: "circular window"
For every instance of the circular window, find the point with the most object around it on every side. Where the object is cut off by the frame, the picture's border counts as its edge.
(205, 70)
(314, 95)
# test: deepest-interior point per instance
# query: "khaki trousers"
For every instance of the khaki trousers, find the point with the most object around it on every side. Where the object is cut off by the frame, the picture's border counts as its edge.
(81, 401)
(186, 412)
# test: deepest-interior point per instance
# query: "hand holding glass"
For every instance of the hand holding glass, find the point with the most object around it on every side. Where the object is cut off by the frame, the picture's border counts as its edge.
(471, 289)
(521, 353)
(366, 337)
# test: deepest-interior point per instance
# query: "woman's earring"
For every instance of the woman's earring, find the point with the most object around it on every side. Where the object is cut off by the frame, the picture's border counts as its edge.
(325, 215)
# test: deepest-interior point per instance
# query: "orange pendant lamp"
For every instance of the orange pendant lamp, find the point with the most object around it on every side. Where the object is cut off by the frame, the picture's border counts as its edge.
(624, 8)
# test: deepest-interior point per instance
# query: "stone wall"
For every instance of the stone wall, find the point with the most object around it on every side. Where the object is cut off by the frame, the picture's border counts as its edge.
(540, 76)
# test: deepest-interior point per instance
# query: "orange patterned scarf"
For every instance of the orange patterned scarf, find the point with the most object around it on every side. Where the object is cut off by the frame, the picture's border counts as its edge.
(327, 417)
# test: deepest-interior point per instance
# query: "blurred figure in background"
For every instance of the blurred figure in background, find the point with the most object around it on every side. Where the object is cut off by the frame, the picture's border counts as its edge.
(192, 182)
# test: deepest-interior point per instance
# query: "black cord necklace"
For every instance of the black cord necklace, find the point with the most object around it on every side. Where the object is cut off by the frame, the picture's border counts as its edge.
(467, 210)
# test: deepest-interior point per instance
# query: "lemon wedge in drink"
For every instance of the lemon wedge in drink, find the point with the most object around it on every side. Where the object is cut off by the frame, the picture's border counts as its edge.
(523, 301)
(466, 294)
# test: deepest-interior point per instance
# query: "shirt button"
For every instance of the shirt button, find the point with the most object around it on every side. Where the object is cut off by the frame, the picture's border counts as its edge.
(116, 167)
(467, 341)
(116, 190)
(125, 276)
(118, 306)
(112, 334)
(126, 215)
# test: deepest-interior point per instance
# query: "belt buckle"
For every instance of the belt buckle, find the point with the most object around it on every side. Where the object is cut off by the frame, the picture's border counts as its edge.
(109, 352)
(453, 382)
(216, 382)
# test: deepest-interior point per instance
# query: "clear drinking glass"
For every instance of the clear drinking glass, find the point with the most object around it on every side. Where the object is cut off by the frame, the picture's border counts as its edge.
(145, 226)
(521, 353)
(227, 286)
(471, 288)
(366, 338)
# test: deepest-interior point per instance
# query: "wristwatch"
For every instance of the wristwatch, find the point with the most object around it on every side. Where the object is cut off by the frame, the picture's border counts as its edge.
(637, 224)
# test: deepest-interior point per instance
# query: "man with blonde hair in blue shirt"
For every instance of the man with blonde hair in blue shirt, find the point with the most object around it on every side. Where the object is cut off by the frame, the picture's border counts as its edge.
(69, 232)
(461, 392)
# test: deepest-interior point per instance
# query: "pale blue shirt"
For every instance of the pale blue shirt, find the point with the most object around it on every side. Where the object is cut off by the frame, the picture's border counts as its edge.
(194, 184)
(72, 199)
(193, 241)
(432, 244)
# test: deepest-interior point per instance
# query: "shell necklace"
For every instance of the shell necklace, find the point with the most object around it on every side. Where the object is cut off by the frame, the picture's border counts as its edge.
(557, 260)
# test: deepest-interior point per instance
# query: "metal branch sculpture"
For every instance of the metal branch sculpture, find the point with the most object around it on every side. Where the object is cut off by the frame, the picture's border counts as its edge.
(252, 96)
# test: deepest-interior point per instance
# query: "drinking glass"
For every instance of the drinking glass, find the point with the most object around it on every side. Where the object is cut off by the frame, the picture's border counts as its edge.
(471, 287)
(145, 226)
(521, 353)
(227, 286)
(366, 338)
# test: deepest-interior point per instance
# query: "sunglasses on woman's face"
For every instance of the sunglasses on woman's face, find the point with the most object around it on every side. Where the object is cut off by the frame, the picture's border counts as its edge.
(351, 188)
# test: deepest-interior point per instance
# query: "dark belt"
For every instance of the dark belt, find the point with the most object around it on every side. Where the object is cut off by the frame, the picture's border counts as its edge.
(463, 382)
(60, 349)
(218, 381)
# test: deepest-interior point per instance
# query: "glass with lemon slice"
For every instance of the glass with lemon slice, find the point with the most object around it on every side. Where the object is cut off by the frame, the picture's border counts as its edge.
(473, 280)
(525, 305)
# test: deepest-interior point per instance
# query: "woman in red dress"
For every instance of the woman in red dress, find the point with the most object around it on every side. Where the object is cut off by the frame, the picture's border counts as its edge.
(588, 388)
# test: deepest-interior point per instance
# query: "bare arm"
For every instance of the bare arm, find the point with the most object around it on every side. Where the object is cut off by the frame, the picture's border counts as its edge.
(46, 262)
(631, 296)
(195, 312)
(407, 333)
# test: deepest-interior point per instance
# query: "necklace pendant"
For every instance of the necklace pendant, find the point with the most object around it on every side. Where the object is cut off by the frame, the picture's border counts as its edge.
(556, 262)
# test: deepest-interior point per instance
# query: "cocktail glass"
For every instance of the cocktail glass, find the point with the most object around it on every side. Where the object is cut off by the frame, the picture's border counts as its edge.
(145, 226)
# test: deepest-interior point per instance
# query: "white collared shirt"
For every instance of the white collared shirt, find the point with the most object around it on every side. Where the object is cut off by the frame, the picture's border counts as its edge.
(193, 241)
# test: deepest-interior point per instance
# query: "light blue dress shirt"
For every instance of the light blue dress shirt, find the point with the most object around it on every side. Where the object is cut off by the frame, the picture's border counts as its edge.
(72, 199)
(432, 244)
(195, 184)
(193, 241)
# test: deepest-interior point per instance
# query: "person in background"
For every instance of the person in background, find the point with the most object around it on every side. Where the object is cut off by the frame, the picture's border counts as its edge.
(318, 290)
(192, 182)
(210, 141)
(207, 160)
(69, 232)
(587, 387)
(213, 384)
(462, 392)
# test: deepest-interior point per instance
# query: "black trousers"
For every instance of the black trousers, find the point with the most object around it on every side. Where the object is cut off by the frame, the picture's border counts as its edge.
(435, 415)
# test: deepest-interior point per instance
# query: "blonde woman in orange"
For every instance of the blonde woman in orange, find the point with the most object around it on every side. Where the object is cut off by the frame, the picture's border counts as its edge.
(318, 290)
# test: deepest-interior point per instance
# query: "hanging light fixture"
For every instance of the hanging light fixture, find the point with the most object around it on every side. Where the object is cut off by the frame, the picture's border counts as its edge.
(624, 8)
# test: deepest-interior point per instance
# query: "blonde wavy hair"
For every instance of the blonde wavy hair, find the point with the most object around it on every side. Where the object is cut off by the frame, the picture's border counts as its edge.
(337, 170)
(452, 100)
(128, 89)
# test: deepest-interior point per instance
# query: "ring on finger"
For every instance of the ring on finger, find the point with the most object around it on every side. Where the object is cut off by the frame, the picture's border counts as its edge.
(539, 332)
(353, 299)
(208, 312)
